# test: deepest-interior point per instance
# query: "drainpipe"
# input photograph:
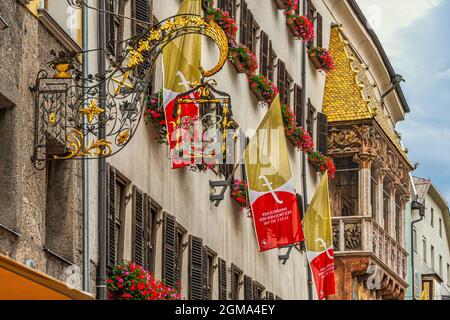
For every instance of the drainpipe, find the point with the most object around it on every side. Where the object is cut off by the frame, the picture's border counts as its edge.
(85, 163)
(304, 183)
(101, 273)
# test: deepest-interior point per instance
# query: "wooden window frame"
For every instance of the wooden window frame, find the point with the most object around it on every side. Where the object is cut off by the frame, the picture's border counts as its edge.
(228, 5)
(298, 110)
(322, 135)
(258, 291)
(310, 118)
(211, 269)
(235, 292)
(152, 209)
(181, 234)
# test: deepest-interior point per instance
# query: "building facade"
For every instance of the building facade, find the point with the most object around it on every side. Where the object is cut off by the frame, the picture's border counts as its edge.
(163, 218)
(431, 244)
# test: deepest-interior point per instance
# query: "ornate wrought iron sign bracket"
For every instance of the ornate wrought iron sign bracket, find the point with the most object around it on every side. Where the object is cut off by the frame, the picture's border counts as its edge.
(63, 99)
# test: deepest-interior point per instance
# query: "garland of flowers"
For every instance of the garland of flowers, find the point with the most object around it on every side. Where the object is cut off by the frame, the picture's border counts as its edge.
(245, 57)
(267, 88)
(324, 58)
(129, 281)
(154, 115)
(239, 193)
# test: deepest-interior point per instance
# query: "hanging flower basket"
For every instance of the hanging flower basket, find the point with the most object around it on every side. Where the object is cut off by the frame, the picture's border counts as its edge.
(239, 193)
(154, 116)
(243, 59)
(322, 164)
(321, 59)
(225, 21)
(263, 89)
(63, 63)
(129, 281)
(301, 27)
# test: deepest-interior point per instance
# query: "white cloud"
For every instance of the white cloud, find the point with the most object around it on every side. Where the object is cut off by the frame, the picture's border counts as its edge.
(445, 74)
(388, 17)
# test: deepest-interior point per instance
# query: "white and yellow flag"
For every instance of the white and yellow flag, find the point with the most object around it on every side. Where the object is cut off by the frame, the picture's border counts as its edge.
(181, 62)
(319, 240)
(272, 195)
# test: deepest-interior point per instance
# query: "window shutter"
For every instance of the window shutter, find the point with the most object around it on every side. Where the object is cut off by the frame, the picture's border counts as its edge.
(196, 287)
(143, 12)
(272, 57)
(244, 21)
(251, 41)
(110, 27)
(322, 133)
(298, 105)
(278, 298)
(270, 296)
(222, 280)
(244, 143)
(282, 80)
(248, 288)
(111, 217)
(319, 30)
(170, 251)
(138, 227)
(205, 275)
(149, 216)
(264, 54)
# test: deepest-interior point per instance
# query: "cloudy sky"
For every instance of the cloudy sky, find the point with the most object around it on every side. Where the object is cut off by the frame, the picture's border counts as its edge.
(415, 34)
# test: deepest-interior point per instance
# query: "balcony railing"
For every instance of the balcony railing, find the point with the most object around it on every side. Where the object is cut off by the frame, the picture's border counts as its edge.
(362, 235)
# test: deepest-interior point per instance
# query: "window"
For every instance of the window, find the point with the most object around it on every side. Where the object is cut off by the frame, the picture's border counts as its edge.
(222, 265)
(424, 248)
(432, 257)
(201, 270)
(427, 286)
(432, 217)
(209, 272)
(66, 17)
(258, 291)
(249, 27)
(248, 288)
(414, 244)
(145, 214)
(310, 118)
(173, 246)
(284, 83)
(116, 203)
(226, 168)
(311, 13)
(142, 10)
(298, 105)
(236, 275)
(448, 274)
(441, 272)
(115, 25)
(440, 227)
(228, 5)
(322, 133)
(264, 56)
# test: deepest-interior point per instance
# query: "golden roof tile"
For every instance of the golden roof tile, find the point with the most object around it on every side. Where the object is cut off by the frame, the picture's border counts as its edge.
(349, 94)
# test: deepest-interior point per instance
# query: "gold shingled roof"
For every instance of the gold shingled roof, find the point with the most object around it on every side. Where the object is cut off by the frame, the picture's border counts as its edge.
(349, 94)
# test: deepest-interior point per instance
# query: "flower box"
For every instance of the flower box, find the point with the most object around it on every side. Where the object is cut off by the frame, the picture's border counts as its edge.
(280, 4)
(258, 94)
(236, 64)
(315, 61)
(291, 26)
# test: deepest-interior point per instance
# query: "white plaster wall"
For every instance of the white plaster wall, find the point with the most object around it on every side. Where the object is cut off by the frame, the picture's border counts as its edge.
(434, 239)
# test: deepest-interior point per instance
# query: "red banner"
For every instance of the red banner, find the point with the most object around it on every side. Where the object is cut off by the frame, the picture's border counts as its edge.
(322, 268)
(277, 221)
